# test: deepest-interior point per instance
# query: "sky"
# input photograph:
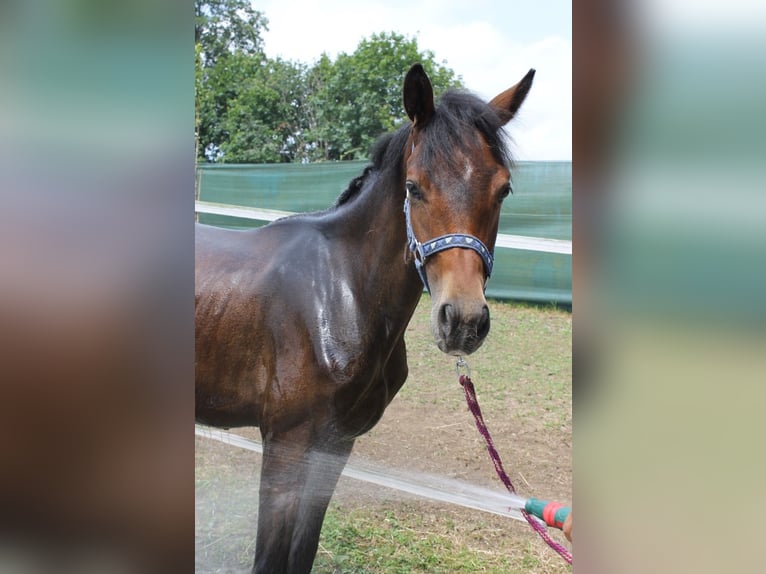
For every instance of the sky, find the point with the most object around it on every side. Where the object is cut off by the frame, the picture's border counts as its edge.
(491, 44)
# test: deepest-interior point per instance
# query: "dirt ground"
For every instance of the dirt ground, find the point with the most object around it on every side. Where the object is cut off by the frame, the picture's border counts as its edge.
(428, 428)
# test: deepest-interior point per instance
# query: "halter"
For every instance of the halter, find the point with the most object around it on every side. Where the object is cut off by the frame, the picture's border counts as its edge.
(421, 251)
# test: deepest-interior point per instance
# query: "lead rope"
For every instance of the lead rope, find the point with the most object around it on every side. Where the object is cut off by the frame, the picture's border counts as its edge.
(473, 406)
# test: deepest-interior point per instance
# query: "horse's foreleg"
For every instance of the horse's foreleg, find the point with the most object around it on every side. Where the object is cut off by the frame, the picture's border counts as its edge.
(298, 476)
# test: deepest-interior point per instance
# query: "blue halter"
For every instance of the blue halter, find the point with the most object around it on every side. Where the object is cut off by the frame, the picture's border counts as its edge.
(421, 251)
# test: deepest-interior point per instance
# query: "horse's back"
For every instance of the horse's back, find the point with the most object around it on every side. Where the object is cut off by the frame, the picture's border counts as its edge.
(217, 248)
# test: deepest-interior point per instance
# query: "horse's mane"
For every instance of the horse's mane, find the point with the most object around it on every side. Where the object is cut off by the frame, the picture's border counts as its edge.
(458, 114)
(354, 187)
(387, 151)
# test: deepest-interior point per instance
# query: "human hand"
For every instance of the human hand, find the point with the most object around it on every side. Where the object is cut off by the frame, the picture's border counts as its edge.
(567, 527)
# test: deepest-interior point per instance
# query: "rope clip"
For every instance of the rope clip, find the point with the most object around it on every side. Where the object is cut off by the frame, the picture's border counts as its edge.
(462, 368)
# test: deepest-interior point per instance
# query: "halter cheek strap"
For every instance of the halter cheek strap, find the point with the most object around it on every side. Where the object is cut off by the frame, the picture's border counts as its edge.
(421, 251)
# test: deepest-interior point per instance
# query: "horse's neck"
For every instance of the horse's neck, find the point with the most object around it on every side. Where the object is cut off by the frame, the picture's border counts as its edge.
(375, 219)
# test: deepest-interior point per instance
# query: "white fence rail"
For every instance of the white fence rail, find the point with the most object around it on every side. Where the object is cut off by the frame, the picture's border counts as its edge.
(509, 241)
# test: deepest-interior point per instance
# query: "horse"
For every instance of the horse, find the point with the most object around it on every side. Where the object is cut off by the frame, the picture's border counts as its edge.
(299, 325)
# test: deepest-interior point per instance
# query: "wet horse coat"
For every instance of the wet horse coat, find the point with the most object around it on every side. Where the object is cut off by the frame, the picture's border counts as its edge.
(300, 324)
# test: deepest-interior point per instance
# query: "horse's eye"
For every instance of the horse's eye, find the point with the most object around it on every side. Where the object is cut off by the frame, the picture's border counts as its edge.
(413, 190)
(504, 191)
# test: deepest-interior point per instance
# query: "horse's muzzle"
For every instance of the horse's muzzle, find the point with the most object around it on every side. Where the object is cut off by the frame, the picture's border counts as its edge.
(459, 331)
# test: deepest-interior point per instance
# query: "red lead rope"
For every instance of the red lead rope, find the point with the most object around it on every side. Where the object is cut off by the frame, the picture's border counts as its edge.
(473, 405)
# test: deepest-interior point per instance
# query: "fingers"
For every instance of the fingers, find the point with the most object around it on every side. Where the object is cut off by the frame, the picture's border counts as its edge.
(567, 527)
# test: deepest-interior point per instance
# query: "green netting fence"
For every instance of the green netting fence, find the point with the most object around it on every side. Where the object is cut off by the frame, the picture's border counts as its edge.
(541, 207)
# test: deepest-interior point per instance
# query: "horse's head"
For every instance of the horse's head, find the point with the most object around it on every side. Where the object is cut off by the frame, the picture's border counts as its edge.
(456, 179)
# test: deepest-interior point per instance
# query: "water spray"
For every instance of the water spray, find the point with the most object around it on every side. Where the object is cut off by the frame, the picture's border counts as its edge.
(424, 485)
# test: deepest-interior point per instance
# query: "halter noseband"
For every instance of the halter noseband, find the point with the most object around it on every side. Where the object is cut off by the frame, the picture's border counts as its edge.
(421, 251)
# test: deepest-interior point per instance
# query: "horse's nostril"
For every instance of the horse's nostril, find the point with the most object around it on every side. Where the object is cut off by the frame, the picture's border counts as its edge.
(482, 327)
(446, 314)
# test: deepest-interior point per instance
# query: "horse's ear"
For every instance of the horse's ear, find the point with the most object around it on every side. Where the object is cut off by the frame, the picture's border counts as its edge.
(509, 102)
(418, 96)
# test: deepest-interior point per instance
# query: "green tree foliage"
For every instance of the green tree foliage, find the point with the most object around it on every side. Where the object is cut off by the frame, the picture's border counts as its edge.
(229, 53)
(264, 121)
(224, 27)
(359, 97)
(253, 109)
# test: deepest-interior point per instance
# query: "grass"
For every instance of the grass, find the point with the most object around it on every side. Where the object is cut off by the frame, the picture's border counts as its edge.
(397, 542)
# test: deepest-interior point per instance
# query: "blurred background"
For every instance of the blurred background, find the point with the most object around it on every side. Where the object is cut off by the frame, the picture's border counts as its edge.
(96, 286)
(96, 276)
(669, 276)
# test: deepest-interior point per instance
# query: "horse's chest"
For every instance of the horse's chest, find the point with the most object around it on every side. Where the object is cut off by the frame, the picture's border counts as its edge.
(362, 401)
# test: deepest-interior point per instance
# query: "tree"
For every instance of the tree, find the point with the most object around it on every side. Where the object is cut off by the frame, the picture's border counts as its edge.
(223, 27)
(253, 109)
(358, 98)
(263, 121)
(228, 52)
(317, 118)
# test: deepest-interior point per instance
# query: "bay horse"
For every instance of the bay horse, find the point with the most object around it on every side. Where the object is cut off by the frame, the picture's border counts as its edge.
(300, 324)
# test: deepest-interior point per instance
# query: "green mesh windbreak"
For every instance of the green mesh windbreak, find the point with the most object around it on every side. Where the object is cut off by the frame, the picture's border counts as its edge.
(541, 206)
